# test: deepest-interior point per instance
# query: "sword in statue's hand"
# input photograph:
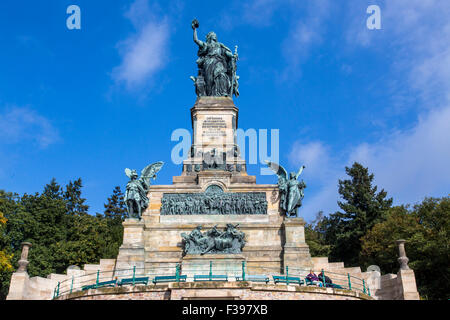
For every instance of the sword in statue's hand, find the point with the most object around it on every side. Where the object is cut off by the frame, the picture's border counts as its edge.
(235, 57)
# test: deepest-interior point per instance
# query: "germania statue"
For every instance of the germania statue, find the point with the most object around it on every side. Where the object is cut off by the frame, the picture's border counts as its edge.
(291, 190)
(136, 198)
(216, 67)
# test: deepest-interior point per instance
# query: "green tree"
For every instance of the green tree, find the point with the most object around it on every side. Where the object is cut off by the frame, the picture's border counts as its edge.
(114, 214)
(362, 208)
(43, 222)
(5, 257)
(315, 237)
(74, 201)
(60, 229)
(6, 200)
(426, 229)
(85, 242)
(378, 245)
(115, 208)
(53, 190)
(9, 203)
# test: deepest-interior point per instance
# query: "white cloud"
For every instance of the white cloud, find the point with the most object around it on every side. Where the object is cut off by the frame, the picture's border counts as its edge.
(409, 164)
(260, 12)
(416, 34)
(321, 176)
(315, 156)
(306, 32)
(257, 13)
(325, 200)
(306, 28)
(412, 164)
(145, 52)
(18, 124)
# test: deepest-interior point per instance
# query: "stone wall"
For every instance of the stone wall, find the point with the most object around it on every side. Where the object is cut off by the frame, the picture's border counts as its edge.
(401, 286)
(22, 287)
(217, 290)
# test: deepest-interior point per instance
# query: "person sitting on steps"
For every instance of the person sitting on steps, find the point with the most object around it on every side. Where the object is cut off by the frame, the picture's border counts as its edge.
(313, 278)
(328, 282)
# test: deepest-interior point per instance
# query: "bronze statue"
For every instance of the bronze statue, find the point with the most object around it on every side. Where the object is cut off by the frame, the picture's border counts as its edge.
(216, 67)
(136, 198)
(214, 202)
(291, 190)
(214, 241)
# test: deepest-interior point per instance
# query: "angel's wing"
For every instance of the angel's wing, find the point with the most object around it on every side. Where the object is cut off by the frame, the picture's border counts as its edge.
(278, 169)
(299, 172)
(128, 172)
(150, 170)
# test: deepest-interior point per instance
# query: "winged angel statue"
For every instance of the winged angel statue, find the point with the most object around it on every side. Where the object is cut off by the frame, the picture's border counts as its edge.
(136, 198)
(291, 190)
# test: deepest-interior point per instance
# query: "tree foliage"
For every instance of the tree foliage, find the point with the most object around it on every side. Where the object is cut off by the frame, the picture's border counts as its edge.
(315, 237)
(365, 233)
(362, 208)
(426, 229)
(5, 256)
(115, 213)
(60, 229)
(74, 202)
(8, 204)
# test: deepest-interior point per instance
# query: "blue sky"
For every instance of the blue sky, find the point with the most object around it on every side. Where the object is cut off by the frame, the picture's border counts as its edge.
(88, 103)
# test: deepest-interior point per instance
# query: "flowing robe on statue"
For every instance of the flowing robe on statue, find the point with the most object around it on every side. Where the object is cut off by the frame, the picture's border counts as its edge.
(214, 61)
(294, 196)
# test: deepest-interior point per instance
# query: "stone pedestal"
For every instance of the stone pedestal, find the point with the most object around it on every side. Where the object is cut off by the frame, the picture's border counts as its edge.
(214, 121)
(407, 285)
(131, 252)
(402, 259)
(214, 145)
(219, 264)
(405, 277)
(20, 278)
(296, 251)
(18, 286)
(23, 262)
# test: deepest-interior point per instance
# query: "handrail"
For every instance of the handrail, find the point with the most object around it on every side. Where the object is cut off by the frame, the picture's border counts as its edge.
(97, 279)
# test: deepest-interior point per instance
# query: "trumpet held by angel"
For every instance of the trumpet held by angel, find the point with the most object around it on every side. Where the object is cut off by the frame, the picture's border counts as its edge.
(291, 190)
(135, 198)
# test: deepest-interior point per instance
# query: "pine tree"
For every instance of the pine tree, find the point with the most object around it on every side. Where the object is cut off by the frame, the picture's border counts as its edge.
(315, 237)
(53, 190)
(115, 207)
(74, 201)
(362, 208)
(115, 213)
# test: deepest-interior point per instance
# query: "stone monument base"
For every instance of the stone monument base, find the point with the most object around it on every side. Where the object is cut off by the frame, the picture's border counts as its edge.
(131, 252)
(296, 250)
(218, 264)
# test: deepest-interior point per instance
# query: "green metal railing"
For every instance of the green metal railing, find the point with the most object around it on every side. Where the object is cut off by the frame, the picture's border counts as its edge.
(98, 279)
